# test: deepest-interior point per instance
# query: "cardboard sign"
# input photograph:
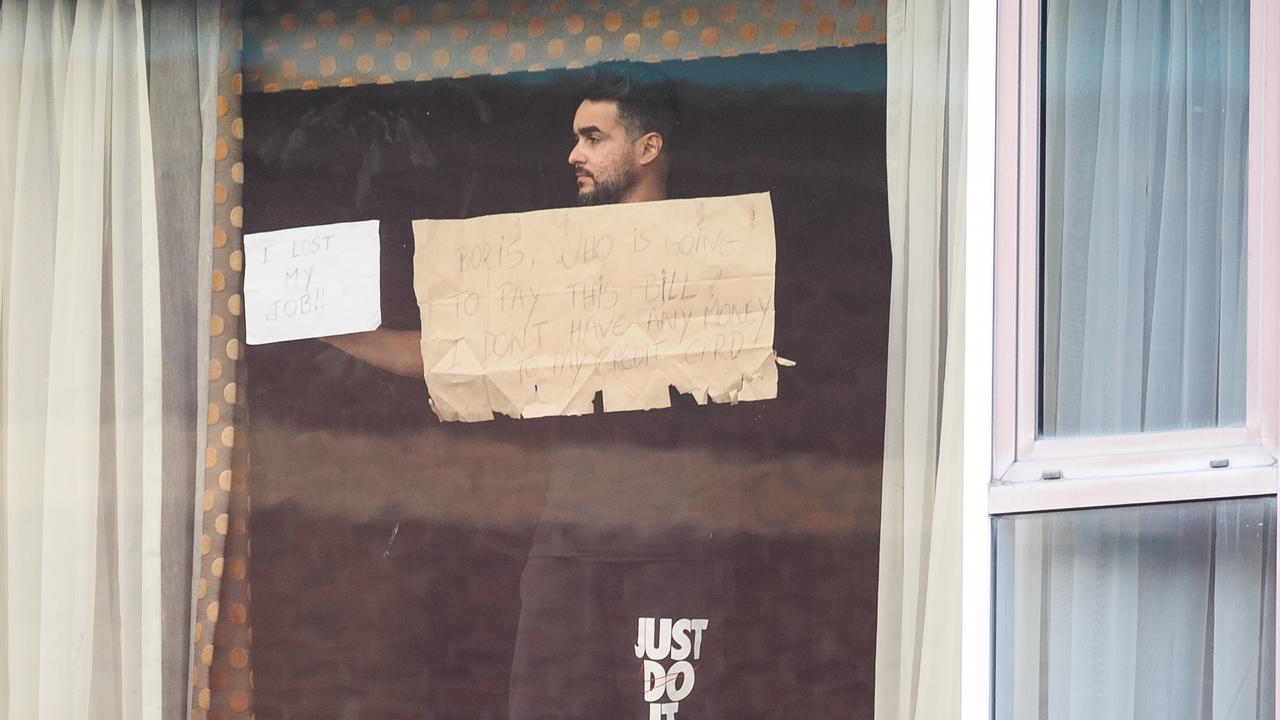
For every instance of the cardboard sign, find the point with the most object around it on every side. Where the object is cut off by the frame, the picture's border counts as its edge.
(533, 314)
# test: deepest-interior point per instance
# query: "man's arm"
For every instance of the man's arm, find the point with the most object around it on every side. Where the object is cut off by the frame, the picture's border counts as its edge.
(396, 351)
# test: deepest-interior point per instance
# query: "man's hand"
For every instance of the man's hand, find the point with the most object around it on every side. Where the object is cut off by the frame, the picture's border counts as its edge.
(396, 351)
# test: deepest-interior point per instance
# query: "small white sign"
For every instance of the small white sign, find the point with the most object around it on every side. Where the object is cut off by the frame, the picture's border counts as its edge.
(312, 282)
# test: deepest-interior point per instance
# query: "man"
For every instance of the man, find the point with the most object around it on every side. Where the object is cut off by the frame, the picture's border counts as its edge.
(620, 129)
(615, 162)
(627, 582)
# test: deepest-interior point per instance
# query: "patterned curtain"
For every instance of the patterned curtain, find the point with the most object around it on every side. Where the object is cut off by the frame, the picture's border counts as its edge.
(221, 674)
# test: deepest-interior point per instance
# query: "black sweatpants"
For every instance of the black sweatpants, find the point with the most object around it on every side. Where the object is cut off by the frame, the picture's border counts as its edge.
(580, 623)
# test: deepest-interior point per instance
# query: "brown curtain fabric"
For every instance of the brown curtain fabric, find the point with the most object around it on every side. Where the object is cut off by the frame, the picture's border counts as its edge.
(221, 677)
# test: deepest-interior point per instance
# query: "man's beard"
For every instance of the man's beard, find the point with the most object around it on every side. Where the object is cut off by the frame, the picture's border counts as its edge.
(611, 188)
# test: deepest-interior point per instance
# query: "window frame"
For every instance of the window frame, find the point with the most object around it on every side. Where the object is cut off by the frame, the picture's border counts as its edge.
(1033, 473)
(1004, 460)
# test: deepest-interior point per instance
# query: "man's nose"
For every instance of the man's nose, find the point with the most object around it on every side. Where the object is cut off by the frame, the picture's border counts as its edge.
(575, 155)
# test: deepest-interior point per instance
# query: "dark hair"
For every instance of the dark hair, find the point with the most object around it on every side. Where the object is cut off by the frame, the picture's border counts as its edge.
(646, 98)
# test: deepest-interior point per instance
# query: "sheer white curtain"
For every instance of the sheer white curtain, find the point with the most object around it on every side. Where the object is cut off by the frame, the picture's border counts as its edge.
(918, 617)
(1153, 612)
(80, 388)
(1145, 105)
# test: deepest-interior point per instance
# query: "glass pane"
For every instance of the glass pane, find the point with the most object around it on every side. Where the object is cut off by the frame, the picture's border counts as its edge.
(1138, 612)
(1143, 152)
(703, 560)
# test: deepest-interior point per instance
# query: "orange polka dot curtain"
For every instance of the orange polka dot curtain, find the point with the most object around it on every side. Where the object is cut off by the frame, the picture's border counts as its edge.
(307, 45)
(221, 676)
(282, 45)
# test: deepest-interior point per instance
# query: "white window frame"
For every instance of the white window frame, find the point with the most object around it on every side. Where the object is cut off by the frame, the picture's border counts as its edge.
(1004, 460)
(1136, 467)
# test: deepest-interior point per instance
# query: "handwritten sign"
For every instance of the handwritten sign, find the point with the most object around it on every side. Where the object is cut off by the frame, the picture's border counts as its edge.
(533, 314)
(311, 282)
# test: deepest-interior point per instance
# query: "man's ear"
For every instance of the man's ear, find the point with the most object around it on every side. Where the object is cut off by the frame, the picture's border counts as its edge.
(650, 147)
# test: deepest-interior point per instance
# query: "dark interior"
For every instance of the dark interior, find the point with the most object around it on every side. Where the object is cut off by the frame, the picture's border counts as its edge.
(388, 547)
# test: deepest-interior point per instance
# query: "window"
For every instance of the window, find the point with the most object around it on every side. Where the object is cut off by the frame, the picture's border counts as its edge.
(1137, 611)
(1135, 335)
(1132, 272)
(406, 564)
(1143, 157)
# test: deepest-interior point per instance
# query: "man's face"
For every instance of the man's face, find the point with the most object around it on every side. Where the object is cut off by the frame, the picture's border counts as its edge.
(604, 157)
